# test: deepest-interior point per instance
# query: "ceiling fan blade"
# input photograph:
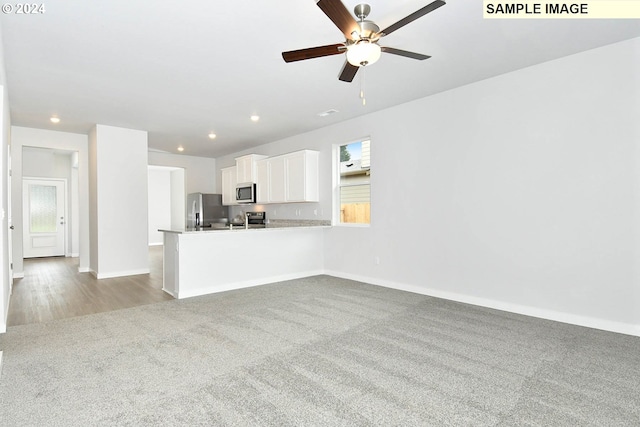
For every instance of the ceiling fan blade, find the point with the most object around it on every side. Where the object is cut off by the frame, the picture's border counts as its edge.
(406, 53)
(340, 16)
(348, 72)
(415, 15)
(313, 52)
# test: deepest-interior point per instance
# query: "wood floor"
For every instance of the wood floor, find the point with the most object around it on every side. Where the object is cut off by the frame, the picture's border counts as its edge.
(53, 289)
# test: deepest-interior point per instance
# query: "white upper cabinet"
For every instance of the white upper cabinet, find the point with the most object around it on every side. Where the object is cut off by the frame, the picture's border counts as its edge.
(277, 180)
(246, 168)
(302, 176)
(229, 181)
(262, 181)
(289, 178)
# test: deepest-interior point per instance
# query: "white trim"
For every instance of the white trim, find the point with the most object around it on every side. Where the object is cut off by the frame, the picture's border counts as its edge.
(247, 284)
(119, 273)
(353, 225)
(84, 270)
(18, 274)
(156, 244)
(173, 294)
(74, 255)
(557, 316)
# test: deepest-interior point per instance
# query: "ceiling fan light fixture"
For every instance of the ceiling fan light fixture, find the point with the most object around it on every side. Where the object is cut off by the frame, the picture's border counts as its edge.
(363, 53)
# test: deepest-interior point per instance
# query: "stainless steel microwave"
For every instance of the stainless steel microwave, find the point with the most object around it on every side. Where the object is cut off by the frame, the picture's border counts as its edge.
(246, 193)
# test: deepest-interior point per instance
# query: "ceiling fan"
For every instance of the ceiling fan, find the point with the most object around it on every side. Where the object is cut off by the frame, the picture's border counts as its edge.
(361, 44)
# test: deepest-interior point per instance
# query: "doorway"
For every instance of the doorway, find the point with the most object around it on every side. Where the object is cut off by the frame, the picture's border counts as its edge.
(44, 217)
(166, 198)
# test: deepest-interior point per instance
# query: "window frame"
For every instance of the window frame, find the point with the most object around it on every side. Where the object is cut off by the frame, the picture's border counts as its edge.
(336, 205)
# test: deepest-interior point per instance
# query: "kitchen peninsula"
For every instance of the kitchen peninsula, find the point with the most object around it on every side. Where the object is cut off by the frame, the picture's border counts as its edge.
(204, 261)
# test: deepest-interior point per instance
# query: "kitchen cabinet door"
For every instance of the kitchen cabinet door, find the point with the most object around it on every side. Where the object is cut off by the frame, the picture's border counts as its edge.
(295, 177)
(246, 168)
(229, 181)
(302, 176)
(243, 169)
(262, 181)
(277, 180)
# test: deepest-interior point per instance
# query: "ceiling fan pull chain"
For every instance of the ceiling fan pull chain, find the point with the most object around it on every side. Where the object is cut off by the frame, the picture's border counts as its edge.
(364, 101)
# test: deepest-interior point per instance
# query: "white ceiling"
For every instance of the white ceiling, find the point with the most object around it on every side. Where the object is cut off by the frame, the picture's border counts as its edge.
(182, 69)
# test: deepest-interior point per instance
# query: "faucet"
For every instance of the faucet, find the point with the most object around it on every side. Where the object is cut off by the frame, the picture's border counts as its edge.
(246, 221)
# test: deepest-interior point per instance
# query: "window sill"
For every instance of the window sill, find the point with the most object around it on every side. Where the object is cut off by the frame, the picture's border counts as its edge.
(351, 225)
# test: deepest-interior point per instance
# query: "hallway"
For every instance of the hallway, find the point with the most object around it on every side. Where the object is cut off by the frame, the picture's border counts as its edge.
(53, 289)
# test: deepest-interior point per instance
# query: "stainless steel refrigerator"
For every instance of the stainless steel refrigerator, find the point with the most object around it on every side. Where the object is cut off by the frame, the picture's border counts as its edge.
(206, 210)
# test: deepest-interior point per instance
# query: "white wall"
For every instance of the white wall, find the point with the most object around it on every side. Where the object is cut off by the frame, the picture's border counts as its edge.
(159, 204)
(199, 172)
(119, 197)
(5, 190)
(518, 192)
(74, 212)
(28, 137)
(178, 199)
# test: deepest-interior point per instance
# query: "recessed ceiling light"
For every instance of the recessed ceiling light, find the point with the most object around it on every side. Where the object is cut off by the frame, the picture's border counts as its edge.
(255, 118)
(180, 148)
(54, 119)
(212, 135)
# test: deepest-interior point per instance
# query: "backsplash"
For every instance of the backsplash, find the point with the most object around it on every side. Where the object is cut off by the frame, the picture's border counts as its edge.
(285, 211)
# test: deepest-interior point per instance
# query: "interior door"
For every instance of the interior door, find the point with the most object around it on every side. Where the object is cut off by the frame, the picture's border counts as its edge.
(43, 217)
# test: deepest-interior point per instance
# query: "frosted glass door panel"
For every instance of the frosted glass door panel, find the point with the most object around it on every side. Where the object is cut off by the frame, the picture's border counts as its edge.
(44, 208)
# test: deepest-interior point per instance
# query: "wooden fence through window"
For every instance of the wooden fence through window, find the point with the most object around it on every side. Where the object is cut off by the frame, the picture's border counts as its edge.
(355, 213)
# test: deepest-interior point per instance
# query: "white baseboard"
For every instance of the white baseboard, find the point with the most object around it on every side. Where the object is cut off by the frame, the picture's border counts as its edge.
(156, 244)
(173, 294)
(18, 275)
(118, 273)
(586, 321)
(246, 284)
(84, 270)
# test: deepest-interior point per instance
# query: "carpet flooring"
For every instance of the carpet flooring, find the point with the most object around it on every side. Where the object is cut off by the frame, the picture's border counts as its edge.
(318, 351)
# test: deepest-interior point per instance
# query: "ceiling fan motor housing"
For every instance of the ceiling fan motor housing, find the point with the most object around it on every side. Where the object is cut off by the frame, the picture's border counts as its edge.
(368, 30)
(362, 11)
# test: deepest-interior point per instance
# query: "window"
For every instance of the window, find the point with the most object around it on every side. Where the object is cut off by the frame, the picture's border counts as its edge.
(353, 198)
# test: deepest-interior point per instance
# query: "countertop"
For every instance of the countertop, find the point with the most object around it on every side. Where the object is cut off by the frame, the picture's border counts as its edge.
(279, 225)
